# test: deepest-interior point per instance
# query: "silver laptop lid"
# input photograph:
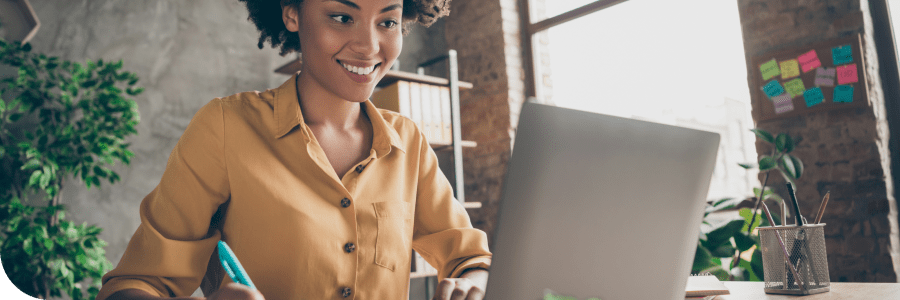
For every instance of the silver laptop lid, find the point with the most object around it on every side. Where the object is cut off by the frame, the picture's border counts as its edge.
(599, 206)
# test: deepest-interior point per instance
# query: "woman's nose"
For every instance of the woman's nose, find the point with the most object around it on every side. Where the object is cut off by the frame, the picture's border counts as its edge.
(365, 41)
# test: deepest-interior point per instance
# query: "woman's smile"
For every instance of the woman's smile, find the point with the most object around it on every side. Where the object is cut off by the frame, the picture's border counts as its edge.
(359, 72)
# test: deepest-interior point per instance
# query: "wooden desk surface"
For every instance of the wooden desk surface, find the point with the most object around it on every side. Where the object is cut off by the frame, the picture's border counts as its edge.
(743, 290)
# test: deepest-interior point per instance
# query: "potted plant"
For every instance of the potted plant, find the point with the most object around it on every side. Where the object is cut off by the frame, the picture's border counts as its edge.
(57, 119)
(729, 239)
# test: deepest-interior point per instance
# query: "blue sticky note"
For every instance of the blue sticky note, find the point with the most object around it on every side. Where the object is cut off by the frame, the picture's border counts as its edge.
(773, 88)
(813, 96)
(843, 93)
(842, 54)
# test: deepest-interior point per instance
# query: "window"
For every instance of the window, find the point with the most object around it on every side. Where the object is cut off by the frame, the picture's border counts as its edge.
(673, 62)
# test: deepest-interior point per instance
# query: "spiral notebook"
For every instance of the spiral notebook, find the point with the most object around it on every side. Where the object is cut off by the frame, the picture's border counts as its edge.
(705, 285)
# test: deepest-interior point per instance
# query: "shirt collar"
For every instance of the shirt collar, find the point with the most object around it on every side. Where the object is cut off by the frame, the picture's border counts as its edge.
(288, 116)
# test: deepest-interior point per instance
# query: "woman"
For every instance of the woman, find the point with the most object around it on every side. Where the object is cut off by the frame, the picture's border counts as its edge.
(319, 194)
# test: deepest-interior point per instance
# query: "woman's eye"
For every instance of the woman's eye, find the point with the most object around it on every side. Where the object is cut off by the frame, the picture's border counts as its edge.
(389, 23)
(341, 18)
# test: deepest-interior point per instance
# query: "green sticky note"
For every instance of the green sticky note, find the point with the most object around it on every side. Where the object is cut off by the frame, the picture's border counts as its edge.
(773, 88)
(813, 96)
(843, 93)
(769, 69)
(795, 87)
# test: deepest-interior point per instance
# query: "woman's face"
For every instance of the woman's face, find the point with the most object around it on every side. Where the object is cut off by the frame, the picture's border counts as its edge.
(348, 45)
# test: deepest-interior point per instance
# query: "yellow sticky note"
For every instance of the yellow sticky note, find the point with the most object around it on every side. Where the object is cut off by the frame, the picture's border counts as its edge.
(789, 69)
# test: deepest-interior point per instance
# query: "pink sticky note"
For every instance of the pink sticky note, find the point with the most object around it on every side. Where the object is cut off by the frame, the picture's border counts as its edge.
(809, 61)
(847, 74)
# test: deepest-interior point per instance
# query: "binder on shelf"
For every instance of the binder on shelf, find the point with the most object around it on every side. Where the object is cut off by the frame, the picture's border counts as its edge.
(394, 97)
(436, 126)
(446, 121)
(415, 103)
(427, 121)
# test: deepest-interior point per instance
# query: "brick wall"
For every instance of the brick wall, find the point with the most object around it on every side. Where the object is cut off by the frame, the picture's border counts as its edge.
(486, 35)
(844, 151)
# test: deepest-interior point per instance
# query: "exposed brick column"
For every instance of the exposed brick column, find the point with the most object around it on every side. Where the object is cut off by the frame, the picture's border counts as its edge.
(485, 34)
(844, 151)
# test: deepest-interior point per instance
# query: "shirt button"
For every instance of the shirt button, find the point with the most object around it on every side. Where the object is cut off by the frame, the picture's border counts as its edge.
(345, 202)
(360, 168)
(346, 292)
(349, 247)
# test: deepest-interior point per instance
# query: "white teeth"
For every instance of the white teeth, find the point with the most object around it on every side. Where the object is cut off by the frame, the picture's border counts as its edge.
(358, 70)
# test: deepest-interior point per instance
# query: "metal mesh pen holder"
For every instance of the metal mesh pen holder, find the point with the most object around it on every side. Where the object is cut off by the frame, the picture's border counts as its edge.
(805, 246)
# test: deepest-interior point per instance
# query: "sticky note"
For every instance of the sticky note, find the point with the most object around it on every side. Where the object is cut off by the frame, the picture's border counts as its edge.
(809, 61)
(783, 103)
(843, 93)
(773, 88)
(769, 69)
(795, 87)
(847, 74)
(824, 77)
(842, 54)
(789, 69)
(813, 96)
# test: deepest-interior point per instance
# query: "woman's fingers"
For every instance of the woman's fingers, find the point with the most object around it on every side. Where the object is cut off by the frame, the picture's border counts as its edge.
(457, 289)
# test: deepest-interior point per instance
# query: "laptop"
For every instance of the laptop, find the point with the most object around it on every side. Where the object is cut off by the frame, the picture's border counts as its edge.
(598, 206)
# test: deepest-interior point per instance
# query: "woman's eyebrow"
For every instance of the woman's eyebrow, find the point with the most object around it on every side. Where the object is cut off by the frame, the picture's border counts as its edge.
(353, 5)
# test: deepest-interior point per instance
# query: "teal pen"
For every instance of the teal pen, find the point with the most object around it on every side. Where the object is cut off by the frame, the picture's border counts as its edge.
(232, 266)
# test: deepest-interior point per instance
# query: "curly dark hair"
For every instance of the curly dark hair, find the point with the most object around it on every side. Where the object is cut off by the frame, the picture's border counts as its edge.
(266, 14)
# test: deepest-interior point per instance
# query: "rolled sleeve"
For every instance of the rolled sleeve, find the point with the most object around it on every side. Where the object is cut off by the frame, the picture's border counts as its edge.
(443, 234)
(168, 254)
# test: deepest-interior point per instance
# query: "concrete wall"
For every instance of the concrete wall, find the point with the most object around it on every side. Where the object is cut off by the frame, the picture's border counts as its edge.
(844, 151)
(186, 53)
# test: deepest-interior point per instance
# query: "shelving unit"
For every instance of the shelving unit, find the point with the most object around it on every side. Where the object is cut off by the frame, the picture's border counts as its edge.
(452, 81)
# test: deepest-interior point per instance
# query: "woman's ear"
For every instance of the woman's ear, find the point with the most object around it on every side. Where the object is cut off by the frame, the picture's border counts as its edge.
(291, 17)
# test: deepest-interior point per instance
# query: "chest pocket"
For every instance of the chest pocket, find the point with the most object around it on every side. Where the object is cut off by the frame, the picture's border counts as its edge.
(394, 237)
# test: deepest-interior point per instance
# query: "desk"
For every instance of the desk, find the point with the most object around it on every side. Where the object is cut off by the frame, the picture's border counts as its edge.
(744, 290)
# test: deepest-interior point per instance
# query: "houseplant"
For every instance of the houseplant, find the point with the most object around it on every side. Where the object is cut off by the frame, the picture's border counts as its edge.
(728, 240)
(57, 119)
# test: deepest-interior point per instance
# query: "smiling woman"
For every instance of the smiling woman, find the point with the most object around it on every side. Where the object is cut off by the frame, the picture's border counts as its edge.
(319, 194)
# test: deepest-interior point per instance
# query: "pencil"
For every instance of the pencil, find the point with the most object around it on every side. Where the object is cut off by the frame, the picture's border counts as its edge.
(822, 207)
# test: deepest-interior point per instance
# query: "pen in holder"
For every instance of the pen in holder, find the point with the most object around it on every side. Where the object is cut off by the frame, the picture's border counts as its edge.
(805, 245)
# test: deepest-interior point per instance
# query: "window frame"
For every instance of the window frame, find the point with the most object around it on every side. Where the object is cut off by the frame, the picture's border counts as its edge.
(528, 31)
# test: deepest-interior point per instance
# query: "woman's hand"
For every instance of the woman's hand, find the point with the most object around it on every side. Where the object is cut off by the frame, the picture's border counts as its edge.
(470, 286)
(235, 291)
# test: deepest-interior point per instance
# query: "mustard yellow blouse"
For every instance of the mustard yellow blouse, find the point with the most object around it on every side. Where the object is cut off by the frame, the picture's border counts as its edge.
(249, 171)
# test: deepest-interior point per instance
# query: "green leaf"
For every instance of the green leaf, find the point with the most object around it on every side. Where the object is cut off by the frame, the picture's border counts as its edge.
(764, 135)
(743, 242)
(756, 263)
(766, 163)
(35, 178)
(747, 213)
(26, 245)
(746, 267)
(746, 166)
(702, 260)
(15, 117)
(784, 143)
(723, 234)
(798, 165)
(45, 179)
(788, 165)
(31, 164)
(723, 250)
